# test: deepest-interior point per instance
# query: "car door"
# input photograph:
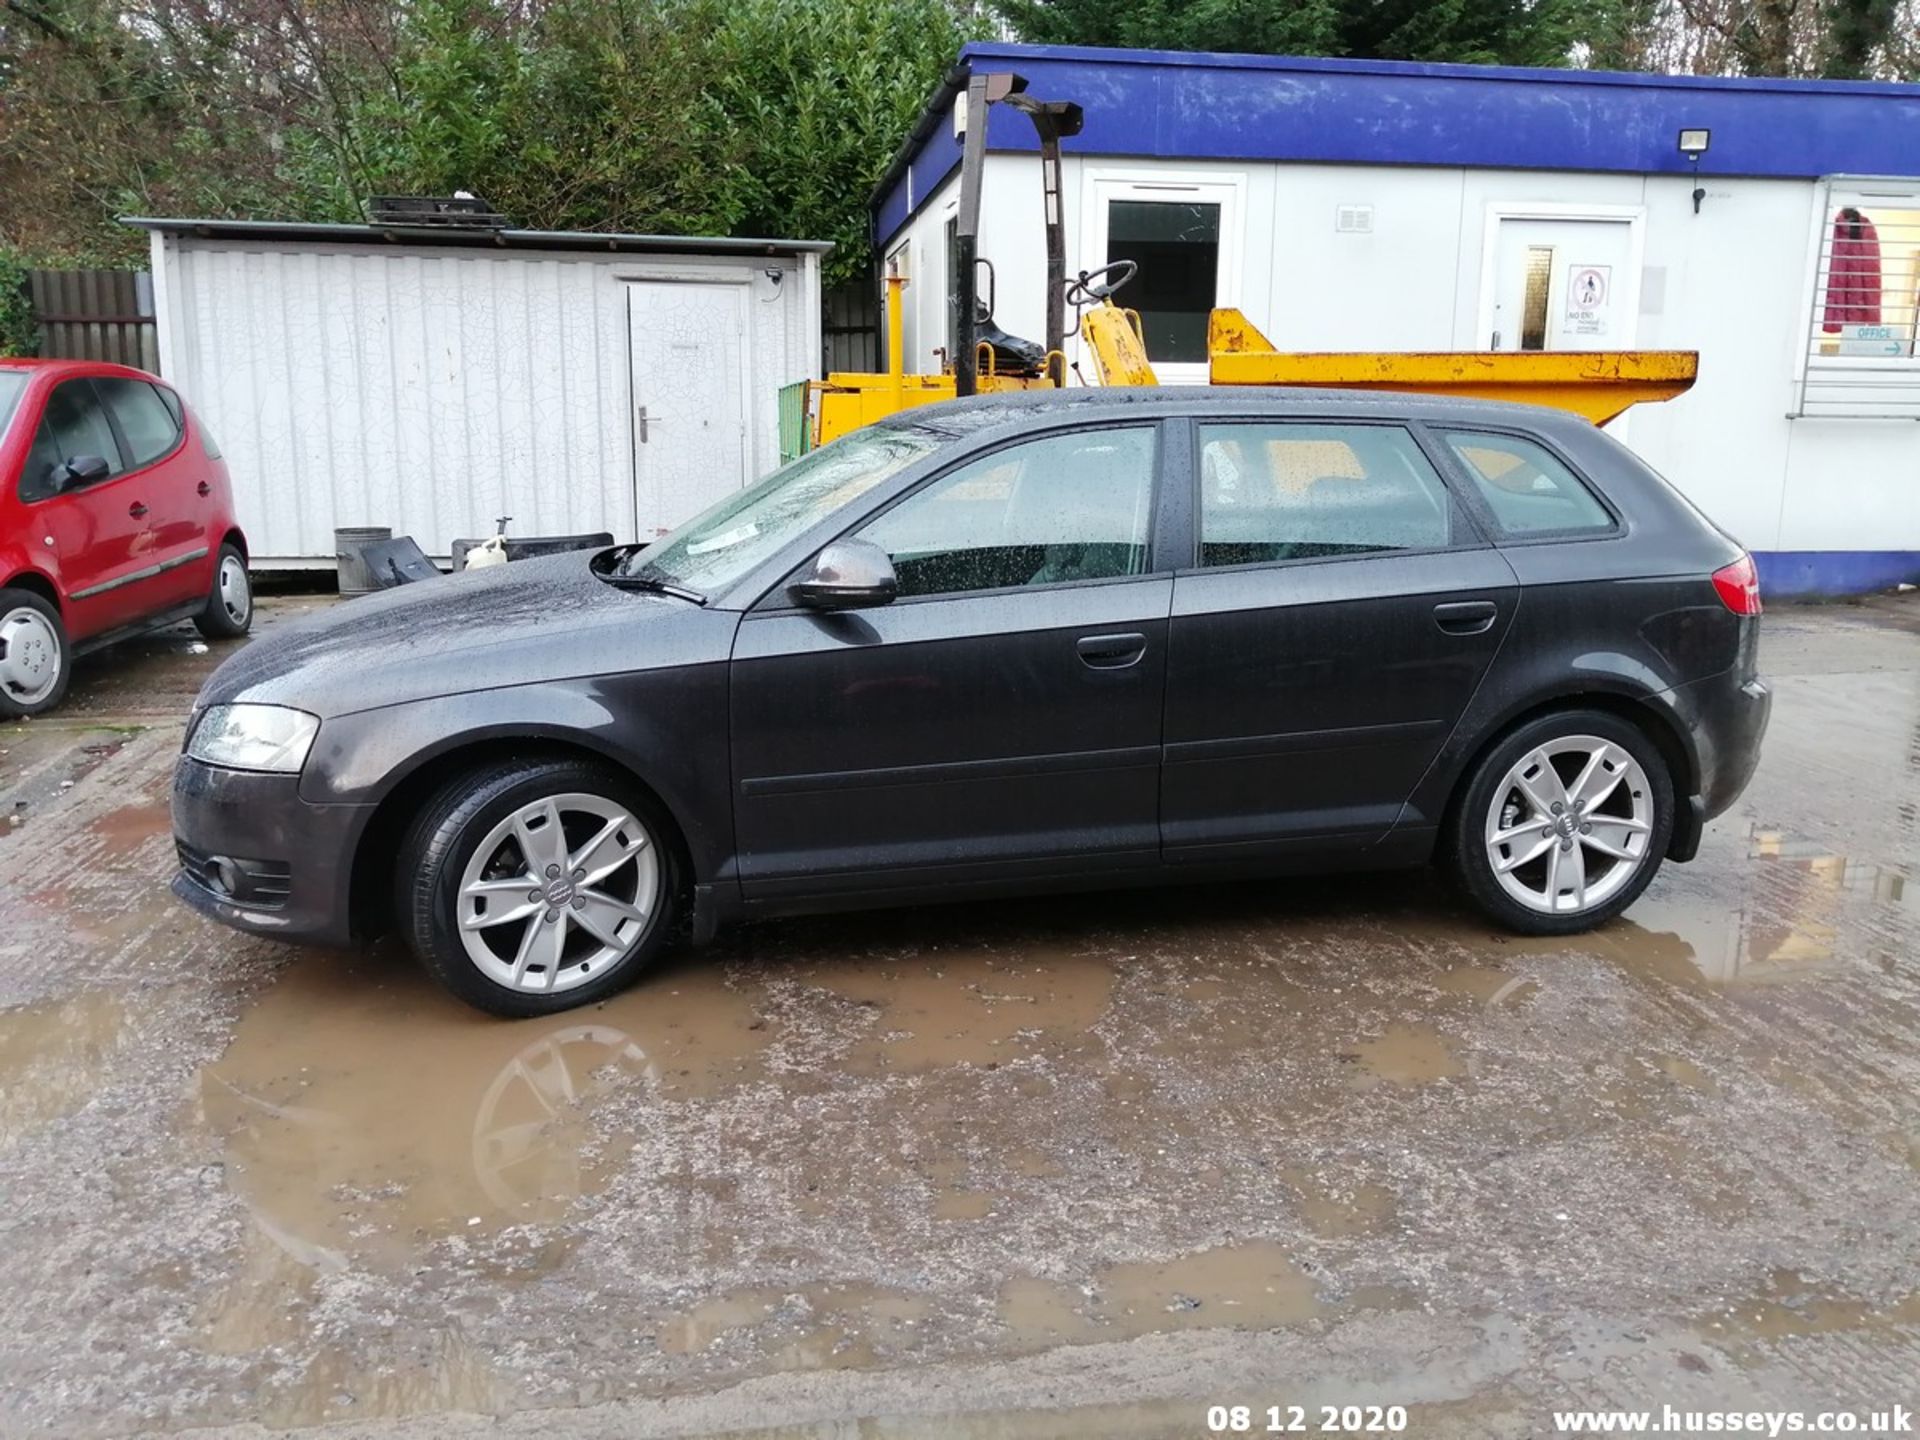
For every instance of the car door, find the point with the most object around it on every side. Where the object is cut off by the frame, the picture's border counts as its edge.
(172, 483)
(1001, 717)
(1339, 617)
(95, 533)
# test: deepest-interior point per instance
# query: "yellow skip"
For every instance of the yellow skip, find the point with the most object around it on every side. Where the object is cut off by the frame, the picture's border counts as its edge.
(1598, 384)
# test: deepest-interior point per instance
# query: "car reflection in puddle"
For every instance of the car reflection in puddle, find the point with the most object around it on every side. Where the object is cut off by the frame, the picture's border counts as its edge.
(364, 1113)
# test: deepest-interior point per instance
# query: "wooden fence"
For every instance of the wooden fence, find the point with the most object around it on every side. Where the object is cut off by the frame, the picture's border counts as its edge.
(96, 315)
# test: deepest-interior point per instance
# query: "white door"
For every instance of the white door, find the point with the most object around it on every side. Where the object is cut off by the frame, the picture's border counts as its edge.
(688, 353)
(1562, 285)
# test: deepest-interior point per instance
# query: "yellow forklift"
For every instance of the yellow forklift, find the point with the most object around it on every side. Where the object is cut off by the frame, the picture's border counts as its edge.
(1597, 384)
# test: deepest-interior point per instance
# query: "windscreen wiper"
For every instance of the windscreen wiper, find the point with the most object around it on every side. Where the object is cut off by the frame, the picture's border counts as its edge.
(655, 584)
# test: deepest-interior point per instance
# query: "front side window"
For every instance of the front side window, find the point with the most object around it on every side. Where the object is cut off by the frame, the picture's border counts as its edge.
(145, 419)
(1046, 512)
(1526, 487)
(1275, 491)
(73, 426)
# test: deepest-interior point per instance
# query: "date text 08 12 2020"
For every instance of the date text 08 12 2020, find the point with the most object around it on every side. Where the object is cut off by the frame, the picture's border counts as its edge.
(1302, 1420)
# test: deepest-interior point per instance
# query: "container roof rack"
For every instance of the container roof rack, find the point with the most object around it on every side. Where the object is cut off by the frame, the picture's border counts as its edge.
(438, 212)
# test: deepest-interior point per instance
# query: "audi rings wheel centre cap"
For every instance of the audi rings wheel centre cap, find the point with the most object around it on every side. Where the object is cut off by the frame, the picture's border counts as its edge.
(560, 892)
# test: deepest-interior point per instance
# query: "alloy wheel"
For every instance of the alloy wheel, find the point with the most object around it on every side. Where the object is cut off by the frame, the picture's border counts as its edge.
(557, 892)
(1570, 825)
(29, 655)
(236, 591)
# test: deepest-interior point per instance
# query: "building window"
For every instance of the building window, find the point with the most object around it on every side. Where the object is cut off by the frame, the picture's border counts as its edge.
(1533, 305)
(1863, 320)
(1177, 247)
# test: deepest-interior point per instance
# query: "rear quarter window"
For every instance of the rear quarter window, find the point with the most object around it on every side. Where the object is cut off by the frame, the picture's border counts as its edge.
(1528, 489)
(150, 425)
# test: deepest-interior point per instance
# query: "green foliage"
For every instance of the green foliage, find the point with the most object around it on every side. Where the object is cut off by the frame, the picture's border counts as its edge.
(765, 117)
(19, 335)
(1521, 32)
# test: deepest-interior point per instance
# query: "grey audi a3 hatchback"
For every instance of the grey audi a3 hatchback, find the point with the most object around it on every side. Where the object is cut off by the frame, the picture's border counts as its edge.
(1004, 644)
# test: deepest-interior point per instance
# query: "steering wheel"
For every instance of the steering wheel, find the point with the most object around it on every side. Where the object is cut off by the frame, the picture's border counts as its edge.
(1094, 286)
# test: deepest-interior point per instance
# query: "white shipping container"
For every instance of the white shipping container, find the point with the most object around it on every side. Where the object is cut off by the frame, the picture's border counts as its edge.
(354, 376)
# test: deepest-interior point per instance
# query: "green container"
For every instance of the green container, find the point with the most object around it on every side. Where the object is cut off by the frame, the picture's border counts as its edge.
(795, 433)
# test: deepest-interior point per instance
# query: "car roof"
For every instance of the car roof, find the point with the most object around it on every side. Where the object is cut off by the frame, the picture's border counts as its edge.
(57, 368)
(981, 412)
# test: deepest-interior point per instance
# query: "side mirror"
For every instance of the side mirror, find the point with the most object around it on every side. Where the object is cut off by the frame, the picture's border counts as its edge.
(846, 575)
(80, 470)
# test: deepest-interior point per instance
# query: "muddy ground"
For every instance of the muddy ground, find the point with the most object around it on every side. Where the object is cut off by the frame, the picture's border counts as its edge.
(1073, 1167)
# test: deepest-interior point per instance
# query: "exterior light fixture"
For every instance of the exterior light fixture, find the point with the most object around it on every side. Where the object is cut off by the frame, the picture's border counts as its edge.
(1693, 144)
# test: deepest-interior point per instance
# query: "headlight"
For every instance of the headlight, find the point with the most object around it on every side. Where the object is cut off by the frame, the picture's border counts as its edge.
(254, 737)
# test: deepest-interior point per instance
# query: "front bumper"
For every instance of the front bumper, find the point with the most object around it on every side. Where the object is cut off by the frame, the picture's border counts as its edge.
(259, 858)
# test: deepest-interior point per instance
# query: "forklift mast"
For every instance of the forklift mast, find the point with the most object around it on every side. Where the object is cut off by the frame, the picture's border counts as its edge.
(1052, 120)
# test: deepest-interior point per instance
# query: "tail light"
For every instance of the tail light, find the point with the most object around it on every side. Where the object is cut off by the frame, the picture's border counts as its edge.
(1738, 586)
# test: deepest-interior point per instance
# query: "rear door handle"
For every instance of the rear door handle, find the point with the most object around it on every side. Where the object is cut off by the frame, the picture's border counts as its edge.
(1466, 617)
(204, 488)
(1111, 652)
(136, 510)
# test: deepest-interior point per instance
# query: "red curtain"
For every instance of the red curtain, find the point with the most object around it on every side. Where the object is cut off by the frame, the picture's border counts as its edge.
(1853, 273)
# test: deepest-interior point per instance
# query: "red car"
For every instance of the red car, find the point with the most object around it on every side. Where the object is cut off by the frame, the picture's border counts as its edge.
(116, 516)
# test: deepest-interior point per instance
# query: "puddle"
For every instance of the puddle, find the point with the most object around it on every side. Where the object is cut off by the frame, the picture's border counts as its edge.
(816, 1327)
(970, 1008)
(1406, 1055)
(50, 1058)
(1253, 1285)
(131, 826)
(364, 1113)
(1789, 1307)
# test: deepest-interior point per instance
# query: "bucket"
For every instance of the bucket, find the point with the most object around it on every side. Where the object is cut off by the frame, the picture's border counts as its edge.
(356, 578)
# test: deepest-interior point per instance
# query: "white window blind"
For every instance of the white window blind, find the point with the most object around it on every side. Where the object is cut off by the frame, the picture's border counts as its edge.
(1862, 356)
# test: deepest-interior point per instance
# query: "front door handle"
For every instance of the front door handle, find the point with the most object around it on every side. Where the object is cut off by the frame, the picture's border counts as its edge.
(1111, 652)
(137, 510)
(646, 421)
(1466, 617)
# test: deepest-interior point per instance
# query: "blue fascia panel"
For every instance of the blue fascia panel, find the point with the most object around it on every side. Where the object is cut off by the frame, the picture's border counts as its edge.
(1172, 105)
(1786, 574)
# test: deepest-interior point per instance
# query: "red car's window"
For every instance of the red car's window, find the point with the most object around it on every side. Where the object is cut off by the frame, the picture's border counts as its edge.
(145, 419)
(74, 425)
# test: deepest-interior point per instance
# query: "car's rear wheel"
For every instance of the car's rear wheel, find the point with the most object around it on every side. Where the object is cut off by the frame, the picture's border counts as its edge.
(229, 607)
(36, 658)
(528, 887)
(1563, 823)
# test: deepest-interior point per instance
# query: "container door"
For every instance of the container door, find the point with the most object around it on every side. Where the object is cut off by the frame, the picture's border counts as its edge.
(1563, 285)
(689, 359)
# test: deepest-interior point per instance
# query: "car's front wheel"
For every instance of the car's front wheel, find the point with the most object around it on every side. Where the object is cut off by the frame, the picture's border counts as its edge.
(1563, 823)
(531, 886)
(35, 656)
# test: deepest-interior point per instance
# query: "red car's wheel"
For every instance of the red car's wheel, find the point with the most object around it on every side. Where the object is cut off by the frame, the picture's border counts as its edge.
(35, 658)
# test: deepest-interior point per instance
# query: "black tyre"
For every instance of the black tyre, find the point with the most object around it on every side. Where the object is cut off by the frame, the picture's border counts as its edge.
(1562, 824)
(229, 609)
(528, 887)
(36, 658)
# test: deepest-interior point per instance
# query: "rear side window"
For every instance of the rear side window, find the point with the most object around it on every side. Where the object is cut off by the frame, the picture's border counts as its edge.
(1529, 491)
(1274, 491)
(148, 422)
(1046, 512)
(74, 425)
